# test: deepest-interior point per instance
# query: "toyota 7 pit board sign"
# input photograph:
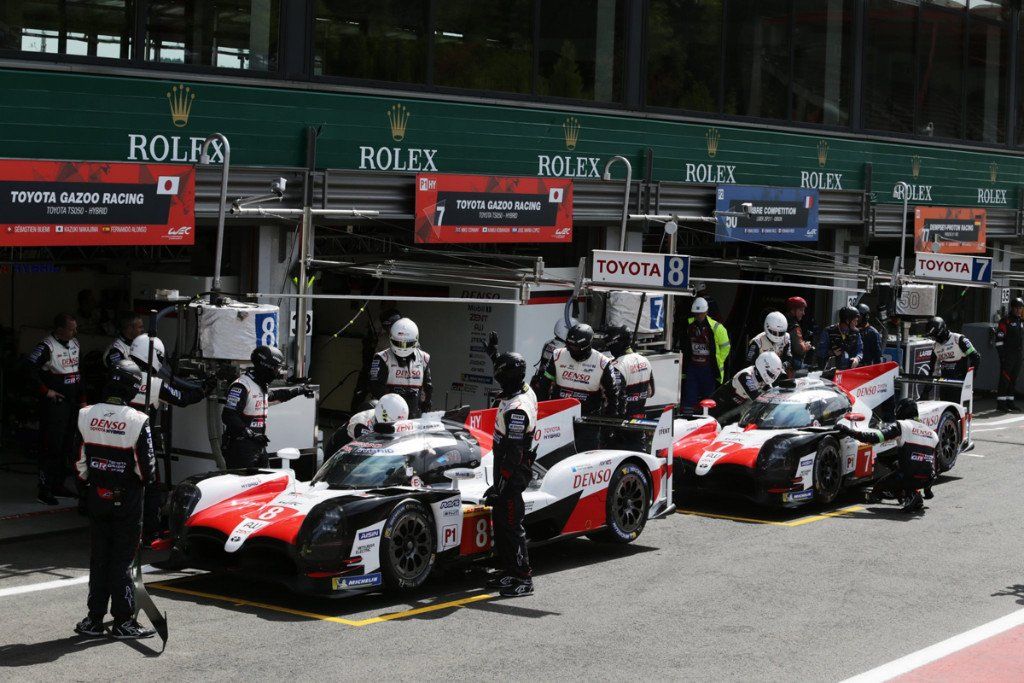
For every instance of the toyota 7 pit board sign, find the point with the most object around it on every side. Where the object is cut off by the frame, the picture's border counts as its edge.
(83, 203)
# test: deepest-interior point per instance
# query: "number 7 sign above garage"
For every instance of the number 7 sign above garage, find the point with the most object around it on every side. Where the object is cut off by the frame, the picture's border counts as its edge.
(638, 270)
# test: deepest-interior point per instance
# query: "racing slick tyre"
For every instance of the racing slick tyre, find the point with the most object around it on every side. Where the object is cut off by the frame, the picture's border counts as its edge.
(407, 550)
(626, 504)
(828, 471)
(949, 442)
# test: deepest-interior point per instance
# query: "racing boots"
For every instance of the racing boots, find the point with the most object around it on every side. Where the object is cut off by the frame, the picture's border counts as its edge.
(89, 627)
(517, 588)
(915, 503)
(500, 581)
(131, 630)
(45, 497)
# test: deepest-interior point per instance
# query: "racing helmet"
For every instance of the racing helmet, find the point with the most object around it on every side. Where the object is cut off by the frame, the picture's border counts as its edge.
(906, 409)
(847, 314)
(580, 341)
(863, 310)
(700, 305)
(267, 362)
(936, 329)
(405, 337)
(768, 366)
(124, 381)
(139, 352)
(1017, 303)
(391, 408)
(562, 329)
(510, 372)
(619, 340)
(775, 327)
(794, 302)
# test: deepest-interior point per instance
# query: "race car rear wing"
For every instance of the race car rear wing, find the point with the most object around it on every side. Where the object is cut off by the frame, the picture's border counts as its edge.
(661, 449)
(966, 394)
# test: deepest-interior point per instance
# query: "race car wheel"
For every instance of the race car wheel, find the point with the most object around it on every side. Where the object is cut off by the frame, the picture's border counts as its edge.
(828, 471)
(626, 504)
(408, 549)
(949, 442)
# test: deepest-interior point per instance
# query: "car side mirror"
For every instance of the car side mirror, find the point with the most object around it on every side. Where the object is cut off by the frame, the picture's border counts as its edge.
(854, 417)
(459, 473)
(289, 454)
(708, 404)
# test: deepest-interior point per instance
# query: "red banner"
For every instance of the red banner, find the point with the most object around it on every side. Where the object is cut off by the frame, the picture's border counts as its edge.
(477, 208)
(84, 203)
(944, 230)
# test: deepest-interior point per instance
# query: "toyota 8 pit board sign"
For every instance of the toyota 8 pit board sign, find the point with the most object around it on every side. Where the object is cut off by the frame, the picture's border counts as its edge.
(83, 203)
(476, 209)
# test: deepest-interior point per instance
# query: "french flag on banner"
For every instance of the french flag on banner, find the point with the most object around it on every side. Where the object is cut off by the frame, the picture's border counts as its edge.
(808, 201)
(167, 184)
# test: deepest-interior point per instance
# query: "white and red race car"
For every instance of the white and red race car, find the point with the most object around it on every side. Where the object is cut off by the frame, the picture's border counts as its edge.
(785, 451)
(387, 508)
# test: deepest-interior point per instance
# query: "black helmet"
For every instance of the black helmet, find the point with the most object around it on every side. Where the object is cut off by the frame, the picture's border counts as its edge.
(863, 310)
(580, 341)
(267, 362)
(619, 340)
(936, 329)
(1017, 303)
(847, 314)
(388, 317)
(510, 372)
(906, 409)
(124, 381)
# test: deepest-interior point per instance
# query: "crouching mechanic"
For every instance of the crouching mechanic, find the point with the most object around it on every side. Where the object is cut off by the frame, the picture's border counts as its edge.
(952, 356)
(514, 453)
(403, 368)
(245, 413)
(915, 460)
(115, 462)
(746, 385)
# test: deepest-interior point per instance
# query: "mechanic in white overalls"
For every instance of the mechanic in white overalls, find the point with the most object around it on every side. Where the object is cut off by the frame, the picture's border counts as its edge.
(403, 368)
(746, 385)
(774, 338)
(953, 355)
(556, 342)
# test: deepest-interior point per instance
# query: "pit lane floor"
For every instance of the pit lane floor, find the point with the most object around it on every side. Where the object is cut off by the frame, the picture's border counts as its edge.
(719, 595)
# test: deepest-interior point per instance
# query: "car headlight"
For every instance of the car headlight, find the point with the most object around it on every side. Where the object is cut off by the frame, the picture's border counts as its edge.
(323, 537)
(183, 501)
(777, 457)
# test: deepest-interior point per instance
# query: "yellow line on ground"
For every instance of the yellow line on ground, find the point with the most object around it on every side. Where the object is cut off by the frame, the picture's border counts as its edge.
(325, 617)
(769, 522)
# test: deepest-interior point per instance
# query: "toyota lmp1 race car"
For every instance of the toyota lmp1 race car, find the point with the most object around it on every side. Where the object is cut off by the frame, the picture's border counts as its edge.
(785, 451)
(386, 508)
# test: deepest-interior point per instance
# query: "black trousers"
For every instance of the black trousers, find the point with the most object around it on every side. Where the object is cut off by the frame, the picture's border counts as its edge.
(1009, 368)
(58, 430)
(243, 453)
(509, 533)
(115, 532)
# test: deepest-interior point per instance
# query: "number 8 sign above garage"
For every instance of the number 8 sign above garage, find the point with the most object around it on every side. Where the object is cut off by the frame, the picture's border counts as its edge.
(640, 270)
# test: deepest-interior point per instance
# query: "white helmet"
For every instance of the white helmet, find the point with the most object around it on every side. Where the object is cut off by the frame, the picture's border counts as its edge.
(561, 329)
(768, 366)
(390, 409)
(700, 305)
(405, 337)
(140, 352)
(775, 326)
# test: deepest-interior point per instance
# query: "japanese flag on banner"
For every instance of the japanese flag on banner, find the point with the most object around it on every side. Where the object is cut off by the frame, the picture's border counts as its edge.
(167, 184)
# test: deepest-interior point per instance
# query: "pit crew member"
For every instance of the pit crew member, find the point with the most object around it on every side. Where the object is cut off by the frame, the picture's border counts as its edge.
(870, 338)
(129, 326)
(796, 308)
(1010, 347)
(637, 375)
(556, 342)
(774, 338)
(403, 368)
(115, 462)
(701, 362)
(840, 345)
(952, 356)
(746, 385)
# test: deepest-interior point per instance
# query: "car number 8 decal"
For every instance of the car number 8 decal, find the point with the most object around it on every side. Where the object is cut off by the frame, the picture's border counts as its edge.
(483, 532)
(271, 513)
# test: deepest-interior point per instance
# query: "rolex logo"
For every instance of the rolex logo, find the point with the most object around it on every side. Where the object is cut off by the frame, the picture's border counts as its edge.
(993, 172)
(712, 136)
(180, 99)
(398, 118)
(915, 165)
(571, 128)
(822, 153)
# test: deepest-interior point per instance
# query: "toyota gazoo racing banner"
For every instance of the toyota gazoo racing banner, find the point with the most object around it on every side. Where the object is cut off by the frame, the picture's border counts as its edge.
(84, 203)
(477, 208)
(945, 230)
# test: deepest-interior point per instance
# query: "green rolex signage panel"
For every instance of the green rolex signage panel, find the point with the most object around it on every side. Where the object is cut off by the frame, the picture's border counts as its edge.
(85, 117)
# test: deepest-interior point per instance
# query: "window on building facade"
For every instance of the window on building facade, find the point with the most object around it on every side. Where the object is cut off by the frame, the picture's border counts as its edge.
(757, 72)
(85, 28)
(988, 69)
(823, 54)
(229, 34)
(484, 45)
(580, 50)
(383, 40)
(940, 73)
(684, 42)
(889, 65)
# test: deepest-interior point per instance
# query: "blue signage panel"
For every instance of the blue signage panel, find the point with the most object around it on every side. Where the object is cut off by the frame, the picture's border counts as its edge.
(777, 214)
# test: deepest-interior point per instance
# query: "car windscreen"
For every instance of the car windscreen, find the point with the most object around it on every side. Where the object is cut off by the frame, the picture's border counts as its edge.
(794, 410)
(357, 466)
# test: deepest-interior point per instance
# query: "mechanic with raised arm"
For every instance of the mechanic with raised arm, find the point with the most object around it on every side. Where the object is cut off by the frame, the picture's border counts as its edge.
(701, 362)
(840, 346)
(245, 412)
(746, 385)
(556, 342)
(636, 371)
(129, 326)
(774, 338)
(915, 461)
(1010, 347)
(115, 462)
(403, 368)
(870, 337)
(514, 453)
(953, 355)
(54, 376)
(796, 308)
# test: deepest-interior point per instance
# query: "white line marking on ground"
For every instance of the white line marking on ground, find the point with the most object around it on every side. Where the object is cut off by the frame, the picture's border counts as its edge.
(59, 583)
(974, 455)
(1009, 420)
(993, 429)
(935, 652)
